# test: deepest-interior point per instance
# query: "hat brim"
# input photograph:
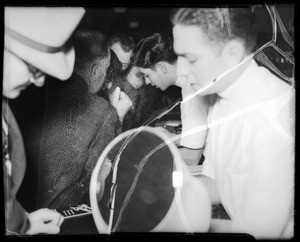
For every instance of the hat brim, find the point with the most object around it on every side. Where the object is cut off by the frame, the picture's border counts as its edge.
(59, 65)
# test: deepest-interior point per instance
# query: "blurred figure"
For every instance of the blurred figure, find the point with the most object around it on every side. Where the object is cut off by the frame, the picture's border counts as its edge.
(249, 156)
(146, 100)
(28, 57)
(122, 44)
(155, 58)
(78, 125)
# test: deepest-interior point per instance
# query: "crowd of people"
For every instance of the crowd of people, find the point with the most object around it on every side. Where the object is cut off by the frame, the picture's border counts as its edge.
(241, 114)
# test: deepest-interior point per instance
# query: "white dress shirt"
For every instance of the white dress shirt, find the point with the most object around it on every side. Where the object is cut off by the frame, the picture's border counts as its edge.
(251, 156)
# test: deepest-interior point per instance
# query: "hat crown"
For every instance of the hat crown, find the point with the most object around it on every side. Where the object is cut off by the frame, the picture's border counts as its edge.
(51, 26)
(38, 35)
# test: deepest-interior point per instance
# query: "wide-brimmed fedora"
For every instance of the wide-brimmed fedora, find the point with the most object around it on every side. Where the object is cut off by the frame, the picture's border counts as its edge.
(41, 37)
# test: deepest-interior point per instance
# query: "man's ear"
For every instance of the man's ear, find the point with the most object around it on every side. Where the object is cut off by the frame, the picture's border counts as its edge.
(234, 52)
(162, 67)
(94, 70)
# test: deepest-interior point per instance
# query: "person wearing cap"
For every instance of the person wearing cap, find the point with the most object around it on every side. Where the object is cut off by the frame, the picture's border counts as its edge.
(36, 44)
(155, 58)
(249, 156)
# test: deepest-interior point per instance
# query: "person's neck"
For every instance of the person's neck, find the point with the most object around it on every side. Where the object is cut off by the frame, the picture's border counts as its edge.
(172, 69)
(229, 79)
(232, 77)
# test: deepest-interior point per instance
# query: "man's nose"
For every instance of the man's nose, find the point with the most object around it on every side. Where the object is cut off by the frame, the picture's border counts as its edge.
(147, 81)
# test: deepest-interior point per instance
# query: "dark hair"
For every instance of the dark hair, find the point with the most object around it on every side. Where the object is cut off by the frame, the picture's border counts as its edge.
(89, 46)
(153, 49)
(126, 41)
(221, 24)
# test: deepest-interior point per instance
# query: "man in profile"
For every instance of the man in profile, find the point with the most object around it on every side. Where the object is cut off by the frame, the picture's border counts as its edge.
(28, 56)
(249, 155)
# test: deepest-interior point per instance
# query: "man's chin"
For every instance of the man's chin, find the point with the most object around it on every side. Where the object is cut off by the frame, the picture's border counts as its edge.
(12, 95)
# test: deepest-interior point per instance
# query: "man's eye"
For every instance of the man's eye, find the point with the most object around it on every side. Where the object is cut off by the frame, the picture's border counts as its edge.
(139, 74)
(143, 74)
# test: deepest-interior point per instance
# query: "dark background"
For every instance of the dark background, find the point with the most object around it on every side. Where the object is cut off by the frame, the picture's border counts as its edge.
(137, 22)
(141, 21)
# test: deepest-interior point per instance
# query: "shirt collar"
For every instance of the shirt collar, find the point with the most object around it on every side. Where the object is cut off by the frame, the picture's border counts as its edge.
(243, 85)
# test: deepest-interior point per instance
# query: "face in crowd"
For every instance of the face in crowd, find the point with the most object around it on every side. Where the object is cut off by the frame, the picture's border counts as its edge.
(123, 56)
(135, 77)
(156, 60)
(209, 42)
(156, 77)
(18, 75)
(30, 55)
(98, 73)
(196, 56)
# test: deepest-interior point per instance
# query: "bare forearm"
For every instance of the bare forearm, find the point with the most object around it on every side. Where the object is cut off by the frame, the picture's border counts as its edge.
(191, 156)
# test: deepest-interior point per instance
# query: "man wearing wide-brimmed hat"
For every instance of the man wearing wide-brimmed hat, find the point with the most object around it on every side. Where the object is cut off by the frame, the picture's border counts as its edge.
(36, 43)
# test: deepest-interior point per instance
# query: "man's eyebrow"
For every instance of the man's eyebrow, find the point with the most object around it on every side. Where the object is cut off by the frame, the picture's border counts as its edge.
(186, 55)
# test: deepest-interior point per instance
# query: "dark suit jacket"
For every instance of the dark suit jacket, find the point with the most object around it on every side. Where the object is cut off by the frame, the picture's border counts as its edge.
(16, 221)
(78, 125)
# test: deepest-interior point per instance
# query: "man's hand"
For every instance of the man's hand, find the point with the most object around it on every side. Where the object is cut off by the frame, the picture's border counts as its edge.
(44, 221)
(191, 156)
(121, 102)
(221, 226)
